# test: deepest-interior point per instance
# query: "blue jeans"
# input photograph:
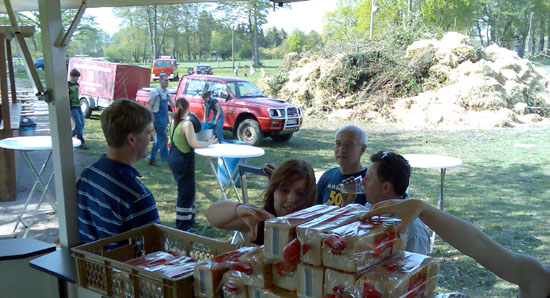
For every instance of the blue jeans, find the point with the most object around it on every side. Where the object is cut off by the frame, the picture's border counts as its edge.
(161, 140)
(183, 168)
(78, 119)
(218, 128)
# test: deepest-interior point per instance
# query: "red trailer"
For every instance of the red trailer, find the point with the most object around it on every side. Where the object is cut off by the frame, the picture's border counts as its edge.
(102, 81)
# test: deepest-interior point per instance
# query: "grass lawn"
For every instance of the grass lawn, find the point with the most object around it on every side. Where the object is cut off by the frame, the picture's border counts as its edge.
(503, 187)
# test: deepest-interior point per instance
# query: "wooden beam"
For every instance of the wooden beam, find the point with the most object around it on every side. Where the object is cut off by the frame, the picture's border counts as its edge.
(11, 71)
(7, 162)
(26, 31)
(73, 26)
(26, 54)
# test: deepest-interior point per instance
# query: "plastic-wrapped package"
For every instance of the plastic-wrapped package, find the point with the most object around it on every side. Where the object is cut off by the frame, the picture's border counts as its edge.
(284, 276)
(271, 292)
(340, 284)
(310, 281)
(452, 295)
(255, 272)
(279, 231)
(410, 275)
(164, 263)
(153, 261)
(311, 234)
(178, 267)
(208, 273)
(361, 244)
(232, 285)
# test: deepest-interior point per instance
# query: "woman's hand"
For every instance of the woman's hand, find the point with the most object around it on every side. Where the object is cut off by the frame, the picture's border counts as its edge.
(212, 140)
(252, 216)
(407, 210)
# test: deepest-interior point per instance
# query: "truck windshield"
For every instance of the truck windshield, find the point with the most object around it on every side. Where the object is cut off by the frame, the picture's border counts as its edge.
(162, 63)
(244, 89)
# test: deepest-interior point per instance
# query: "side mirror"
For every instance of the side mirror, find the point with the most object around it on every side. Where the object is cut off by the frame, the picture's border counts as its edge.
(224, 95)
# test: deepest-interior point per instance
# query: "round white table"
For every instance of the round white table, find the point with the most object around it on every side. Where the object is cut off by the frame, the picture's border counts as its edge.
(432, 161)
(223, 151)
(24, 145)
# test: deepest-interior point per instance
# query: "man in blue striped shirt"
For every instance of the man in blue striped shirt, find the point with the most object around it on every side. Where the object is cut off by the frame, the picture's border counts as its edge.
(111, 198)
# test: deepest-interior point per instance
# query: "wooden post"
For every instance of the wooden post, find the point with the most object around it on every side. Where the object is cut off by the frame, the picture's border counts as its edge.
(7, 162)
(12, 73)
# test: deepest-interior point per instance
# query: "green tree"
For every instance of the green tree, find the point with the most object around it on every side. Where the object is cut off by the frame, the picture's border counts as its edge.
(296, 41)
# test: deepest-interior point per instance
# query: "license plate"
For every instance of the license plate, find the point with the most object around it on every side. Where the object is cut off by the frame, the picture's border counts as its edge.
(162, 74)
(292, 122)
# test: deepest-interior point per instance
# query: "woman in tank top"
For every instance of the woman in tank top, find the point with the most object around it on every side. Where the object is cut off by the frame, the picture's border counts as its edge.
(182, 163)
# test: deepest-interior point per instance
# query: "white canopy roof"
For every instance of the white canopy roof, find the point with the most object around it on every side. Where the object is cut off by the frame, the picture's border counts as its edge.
(28, 5)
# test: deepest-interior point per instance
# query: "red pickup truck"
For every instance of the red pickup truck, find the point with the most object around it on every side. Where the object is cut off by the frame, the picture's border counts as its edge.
(249, 114)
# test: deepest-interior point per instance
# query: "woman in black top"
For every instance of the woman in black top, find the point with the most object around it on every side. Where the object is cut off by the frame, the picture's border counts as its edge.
(291, 188)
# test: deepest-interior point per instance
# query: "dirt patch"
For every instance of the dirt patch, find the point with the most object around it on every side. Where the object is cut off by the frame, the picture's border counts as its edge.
(474, 88)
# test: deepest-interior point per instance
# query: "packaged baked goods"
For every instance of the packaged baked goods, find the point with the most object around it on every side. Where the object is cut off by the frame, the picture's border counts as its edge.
(271, 292)
(340, 284)
(164, 263)
(409, 275)
(232, 285)
(208, 273)
(284, 276)
(255, 272)
(361, 244)
(280, 230)
(310, 281)
(311, 234)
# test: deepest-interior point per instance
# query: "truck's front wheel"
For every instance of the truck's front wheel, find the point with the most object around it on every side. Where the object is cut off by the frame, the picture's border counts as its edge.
(85, 107)
(281, 138)
(249, 132)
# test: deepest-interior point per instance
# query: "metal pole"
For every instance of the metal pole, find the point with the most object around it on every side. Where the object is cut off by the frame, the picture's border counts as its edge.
(60, 122)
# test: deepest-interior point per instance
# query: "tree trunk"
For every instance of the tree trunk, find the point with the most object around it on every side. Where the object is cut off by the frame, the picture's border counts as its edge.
(548, 38)
(479, 33)
(541, 37)
(155, 21)
(152, 32)
(255, 43)
(523, 42)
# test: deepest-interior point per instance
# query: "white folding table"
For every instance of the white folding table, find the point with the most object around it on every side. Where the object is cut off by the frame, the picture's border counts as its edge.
(223, 151)
(432, 161)
(25, 145)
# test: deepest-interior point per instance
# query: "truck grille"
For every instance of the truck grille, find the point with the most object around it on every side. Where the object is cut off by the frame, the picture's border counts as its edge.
(292, 112)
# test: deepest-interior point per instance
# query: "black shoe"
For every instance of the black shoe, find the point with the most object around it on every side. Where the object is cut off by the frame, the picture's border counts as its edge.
(83, 147)
(153, 162)
(191, 230)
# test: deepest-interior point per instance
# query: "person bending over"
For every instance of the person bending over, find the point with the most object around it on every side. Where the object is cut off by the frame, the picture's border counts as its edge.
(291, 188)
(111, 198)
(532, 277)
(388, 178)
(182, 163)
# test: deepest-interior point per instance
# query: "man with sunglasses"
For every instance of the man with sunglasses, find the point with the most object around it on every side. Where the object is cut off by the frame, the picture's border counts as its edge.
(388, 179)
(350, 142)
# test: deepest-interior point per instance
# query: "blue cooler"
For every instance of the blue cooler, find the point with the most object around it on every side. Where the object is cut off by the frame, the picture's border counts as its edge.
(232, 164)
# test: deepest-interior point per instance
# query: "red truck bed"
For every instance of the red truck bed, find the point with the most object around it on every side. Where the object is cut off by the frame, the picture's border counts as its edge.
(110, 80)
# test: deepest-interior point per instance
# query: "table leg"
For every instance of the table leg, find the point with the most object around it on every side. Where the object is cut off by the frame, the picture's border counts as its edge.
(28, 227)
(231, 175)
(440, 201)
(439, 205)
(217, 178)
(38, 181)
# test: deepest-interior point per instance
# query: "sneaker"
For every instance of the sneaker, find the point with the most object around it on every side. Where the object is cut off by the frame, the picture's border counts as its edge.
(153, 162)
(192, 230)
(83, 147)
